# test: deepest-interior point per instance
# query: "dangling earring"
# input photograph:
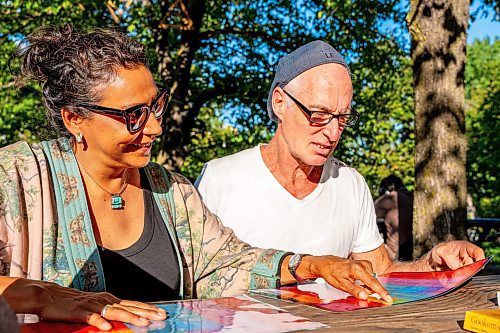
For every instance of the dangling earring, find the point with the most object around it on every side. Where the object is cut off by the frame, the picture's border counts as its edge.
(79, 137)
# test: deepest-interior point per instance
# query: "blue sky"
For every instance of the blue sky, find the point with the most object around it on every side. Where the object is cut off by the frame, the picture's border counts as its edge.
(483, 26)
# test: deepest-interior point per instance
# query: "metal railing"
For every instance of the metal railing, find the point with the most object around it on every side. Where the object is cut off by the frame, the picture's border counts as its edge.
(483, 229)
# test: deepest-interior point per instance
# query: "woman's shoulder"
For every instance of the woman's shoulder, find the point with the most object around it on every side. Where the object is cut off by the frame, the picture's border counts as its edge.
(17, 160)
(163, 181)
(15, 155)
(161, 174)
(26, 148)
(15, 148)
(29, 157)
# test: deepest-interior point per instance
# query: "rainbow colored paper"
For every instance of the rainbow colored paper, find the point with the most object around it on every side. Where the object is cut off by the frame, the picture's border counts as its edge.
(404, 287)
(230, 314)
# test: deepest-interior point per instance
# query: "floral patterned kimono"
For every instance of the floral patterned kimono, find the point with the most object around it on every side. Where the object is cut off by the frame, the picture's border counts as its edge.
(46, 231)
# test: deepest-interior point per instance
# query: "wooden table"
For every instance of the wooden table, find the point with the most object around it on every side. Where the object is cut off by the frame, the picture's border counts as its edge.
(443, 314)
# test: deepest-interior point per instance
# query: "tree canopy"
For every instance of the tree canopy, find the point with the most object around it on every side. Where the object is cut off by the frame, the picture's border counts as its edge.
(218, 56)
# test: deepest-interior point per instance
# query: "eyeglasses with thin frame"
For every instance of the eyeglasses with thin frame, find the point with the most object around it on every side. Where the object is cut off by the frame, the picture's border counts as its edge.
(323, 118)
(137, 116)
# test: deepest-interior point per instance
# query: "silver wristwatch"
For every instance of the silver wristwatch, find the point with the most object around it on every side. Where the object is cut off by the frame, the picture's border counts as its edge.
(294, 263)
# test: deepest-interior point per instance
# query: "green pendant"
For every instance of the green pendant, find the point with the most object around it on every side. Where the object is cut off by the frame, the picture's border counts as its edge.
(116, 201)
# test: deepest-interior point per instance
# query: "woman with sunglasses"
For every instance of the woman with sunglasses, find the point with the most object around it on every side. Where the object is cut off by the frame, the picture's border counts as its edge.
(89, 212)
(87, 220)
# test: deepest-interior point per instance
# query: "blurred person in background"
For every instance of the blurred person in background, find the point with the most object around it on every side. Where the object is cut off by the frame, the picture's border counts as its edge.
(395, 207)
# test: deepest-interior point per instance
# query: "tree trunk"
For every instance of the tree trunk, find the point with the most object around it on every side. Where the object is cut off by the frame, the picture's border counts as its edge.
(180, 117)
(439, 31)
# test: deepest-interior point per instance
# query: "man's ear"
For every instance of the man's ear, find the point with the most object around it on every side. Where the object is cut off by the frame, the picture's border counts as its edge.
(71, 120)
(279, 102)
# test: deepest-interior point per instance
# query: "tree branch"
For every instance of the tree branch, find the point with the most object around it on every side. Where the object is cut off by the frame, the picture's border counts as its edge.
(117, 13)
(111, 9)
(221, 89)
(232, 31)
(7, 85)
(186, 21)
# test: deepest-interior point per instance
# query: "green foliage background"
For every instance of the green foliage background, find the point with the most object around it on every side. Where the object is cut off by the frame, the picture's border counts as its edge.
(482, 91)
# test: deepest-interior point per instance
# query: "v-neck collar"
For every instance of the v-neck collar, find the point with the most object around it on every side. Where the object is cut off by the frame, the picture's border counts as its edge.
(268, 174)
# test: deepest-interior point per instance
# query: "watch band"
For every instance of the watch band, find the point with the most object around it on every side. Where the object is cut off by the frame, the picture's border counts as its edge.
(293, 264)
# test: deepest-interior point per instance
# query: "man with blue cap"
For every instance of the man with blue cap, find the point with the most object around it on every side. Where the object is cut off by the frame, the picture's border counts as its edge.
(293, 194)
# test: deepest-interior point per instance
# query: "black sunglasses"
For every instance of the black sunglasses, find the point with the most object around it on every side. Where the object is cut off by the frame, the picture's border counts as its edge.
(323, 118)
(137, 116)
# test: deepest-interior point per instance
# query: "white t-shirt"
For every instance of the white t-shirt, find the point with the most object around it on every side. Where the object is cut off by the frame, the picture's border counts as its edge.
(337, 218)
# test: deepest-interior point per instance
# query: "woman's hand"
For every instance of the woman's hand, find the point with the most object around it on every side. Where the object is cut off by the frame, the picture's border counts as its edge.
(343, 274)
(355, 277)
(53, 302)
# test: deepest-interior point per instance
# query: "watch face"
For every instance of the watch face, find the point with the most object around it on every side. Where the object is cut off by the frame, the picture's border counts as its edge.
(293, 264)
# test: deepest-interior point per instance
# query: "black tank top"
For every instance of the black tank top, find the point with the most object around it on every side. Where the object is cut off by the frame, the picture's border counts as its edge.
(148, 270)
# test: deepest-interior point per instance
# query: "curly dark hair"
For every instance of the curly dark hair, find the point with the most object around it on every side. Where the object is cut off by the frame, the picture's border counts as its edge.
(72, 66)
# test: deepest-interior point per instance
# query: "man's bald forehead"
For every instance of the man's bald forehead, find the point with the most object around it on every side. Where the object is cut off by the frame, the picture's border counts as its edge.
(322, 72)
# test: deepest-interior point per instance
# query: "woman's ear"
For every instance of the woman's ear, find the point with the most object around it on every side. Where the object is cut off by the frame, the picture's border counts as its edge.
(279, 103)
(72, 121)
